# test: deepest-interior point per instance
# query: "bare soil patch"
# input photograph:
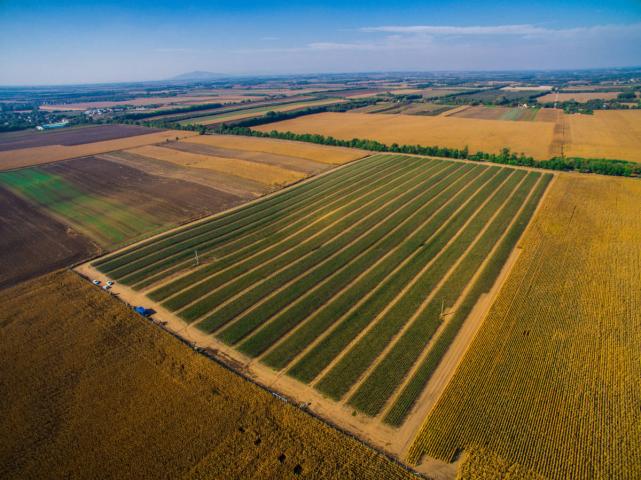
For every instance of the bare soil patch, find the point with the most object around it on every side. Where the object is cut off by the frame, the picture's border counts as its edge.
(33, 243)
(70, 136)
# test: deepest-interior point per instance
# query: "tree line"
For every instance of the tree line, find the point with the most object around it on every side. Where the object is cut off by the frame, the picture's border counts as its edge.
(505, 157)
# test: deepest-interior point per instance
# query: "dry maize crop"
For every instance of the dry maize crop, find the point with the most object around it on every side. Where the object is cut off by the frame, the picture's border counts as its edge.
(553, 379)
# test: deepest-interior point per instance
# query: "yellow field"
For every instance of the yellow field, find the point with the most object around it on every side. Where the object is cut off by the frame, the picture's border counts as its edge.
(309, 151)
(552, 380)
(605, 134)
(146, 101)
(259, 172)
(580, 97)
(531, 138)
(92, 390)
(25, 157)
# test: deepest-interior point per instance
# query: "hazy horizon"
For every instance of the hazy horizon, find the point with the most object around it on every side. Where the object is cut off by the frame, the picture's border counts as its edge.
(44, 43)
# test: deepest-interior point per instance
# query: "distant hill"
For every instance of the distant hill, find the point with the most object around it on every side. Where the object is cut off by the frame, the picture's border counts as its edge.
(198, 75)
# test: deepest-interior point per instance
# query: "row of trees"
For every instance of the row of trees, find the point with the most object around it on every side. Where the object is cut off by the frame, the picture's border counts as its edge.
(505, 157)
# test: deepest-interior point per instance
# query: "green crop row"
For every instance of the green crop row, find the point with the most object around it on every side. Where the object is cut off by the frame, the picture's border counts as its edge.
(379, 225)
(135, 272)
(348, 370)
(117, 260)
(298, 260)
(312, 363)
(311, 300)
(331, 311)
(231, 268)
(408, 396)
(252, 239)
(379, 386)
(268, 237)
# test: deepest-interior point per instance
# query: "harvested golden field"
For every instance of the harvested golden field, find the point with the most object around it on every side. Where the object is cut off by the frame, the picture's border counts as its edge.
(605, 134)
(259, 172)
(552, 380)
(309, 151)
(25, 157)
(92, 390)
(580, 97)
(531, 138)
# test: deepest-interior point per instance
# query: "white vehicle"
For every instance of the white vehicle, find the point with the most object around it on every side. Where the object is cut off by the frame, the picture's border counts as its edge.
(96, 282)
(110, 283)
(106, 287)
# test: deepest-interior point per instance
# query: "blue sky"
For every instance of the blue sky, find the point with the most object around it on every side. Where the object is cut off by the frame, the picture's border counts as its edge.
(52, 42)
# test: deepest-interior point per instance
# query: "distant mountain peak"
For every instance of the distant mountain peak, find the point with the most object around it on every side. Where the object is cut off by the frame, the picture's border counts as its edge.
(198, 75)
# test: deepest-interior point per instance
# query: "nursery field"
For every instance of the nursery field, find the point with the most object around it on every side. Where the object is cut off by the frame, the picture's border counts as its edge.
(531, 138)
(552, 380)
(499, 113)
(355, 282)
(580, 97)
(82, 373)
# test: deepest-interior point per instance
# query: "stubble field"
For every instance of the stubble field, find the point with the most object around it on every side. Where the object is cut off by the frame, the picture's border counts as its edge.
(531, 138)
(92, 390)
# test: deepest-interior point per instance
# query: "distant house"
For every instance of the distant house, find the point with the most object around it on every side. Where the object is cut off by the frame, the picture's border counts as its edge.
(49, 126)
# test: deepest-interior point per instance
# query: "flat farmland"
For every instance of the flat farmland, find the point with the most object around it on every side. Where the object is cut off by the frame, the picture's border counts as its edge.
(499, 113)
(82, 373)
(321, 154)
(185, 100)
(552, 379)
(256, 112)
(347, 289)
(580, 97)
(531, 138)
(35, 155)
(33, 243)
(70, 136)
(604, 134)
(112, 203)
